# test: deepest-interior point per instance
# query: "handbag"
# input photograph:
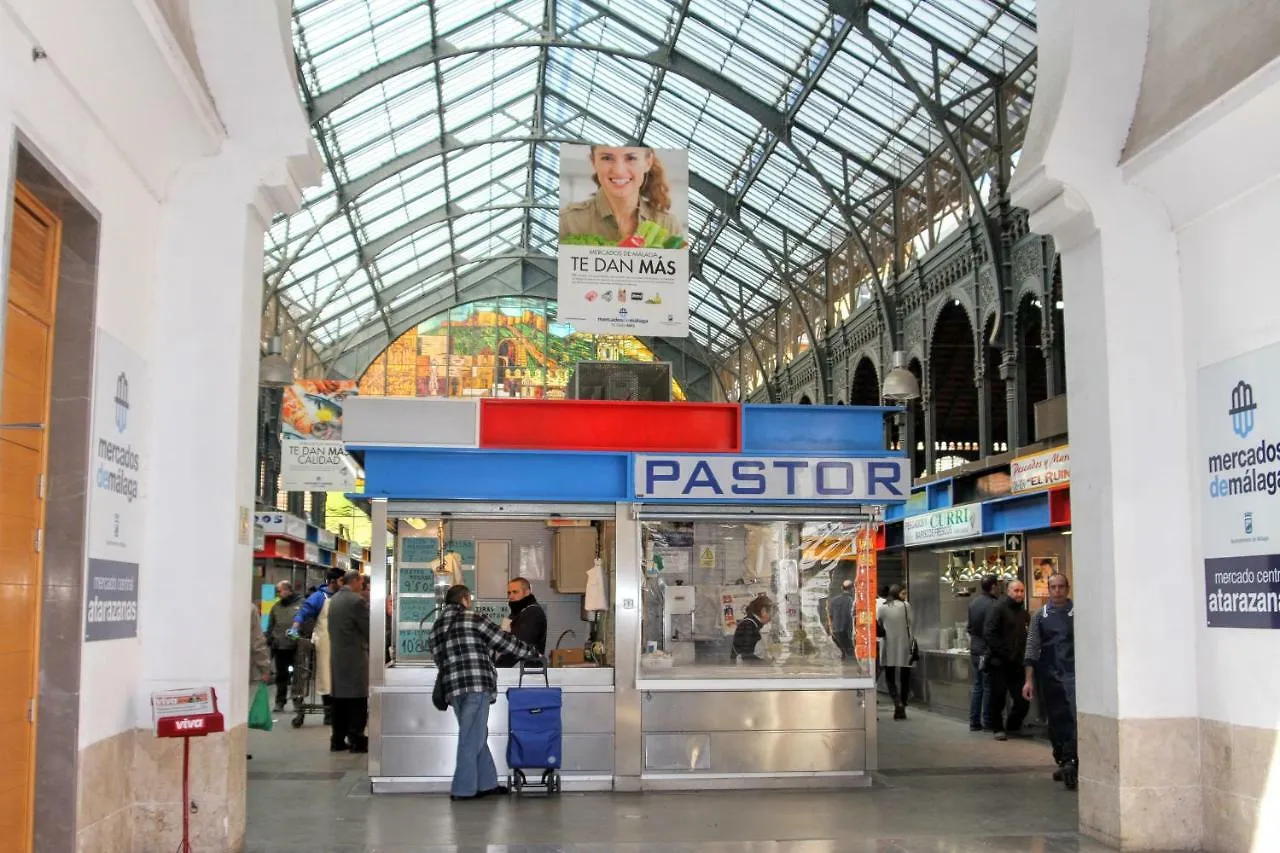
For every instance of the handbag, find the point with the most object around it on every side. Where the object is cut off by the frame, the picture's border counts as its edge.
(915, 652)
(438, 697)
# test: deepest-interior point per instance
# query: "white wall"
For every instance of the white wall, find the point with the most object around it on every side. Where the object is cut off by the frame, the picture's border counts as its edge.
(1226, 216)
(182, 190)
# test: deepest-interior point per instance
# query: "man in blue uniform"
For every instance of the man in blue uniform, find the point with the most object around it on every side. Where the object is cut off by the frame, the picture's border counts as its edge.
(1051, 654)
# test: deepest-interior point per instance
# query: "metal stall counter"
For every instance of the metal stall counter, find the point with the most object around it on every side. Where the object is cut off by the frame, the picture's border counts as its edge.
(729, 652)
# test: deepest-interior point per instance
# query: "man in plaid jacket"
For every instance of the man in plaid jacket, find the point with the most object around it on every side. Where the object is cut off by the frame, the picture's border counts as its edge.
(462, 644)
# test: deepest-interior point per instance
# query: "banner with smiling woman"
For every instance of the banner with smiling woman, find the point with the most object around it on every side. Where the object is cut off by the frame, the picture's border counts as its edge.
(624, 244)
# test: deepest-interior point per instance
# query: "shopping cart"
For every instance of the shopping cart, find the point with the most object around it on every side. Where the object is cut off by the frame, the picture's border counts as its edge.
(535, 738)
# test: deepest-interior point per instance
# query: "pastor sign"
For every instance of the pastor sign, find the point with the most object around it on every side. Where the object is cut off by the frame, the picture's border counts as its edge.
(765, 479)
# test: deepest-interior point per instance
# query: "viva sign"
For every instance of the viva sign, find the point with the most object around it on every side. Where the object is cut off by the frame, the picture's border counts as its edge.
(959, 522)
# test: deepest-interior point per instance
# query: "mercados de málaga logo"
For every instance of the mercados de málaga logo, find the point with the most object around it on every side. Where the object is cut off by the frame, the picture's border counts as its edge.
(122, 402)
(1242, 409)
(1250, 469)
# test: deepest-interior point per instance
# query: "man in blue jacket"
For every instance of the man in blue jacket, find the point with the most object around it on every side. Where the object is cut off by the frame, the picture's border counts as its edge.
(304, 624)
(1051, 654)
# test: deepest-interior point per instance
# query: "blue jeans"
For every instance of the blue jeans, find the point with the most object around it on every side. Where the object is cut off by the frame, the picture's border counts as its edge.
(474, 771)
(979, 695)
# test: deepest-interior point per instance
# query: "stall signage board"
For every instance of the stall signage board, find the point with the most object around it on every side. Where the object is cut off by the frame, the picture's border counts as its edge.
(1040, 470)
(958, 522)
(1238, 402)
(771, 479)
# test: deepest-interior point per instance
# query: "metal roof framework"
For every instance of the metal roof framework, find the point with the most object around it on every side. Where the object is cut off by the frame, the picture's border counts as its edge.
(440, 123)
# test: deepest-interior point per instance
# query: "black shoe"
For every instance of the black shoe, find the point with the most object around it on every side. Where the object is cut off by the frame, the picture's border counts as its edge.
(499, 791)
(899, 713)
(1071, 775)
(334, 746)
(455, 798)
(360, 745)
(974, 728)
(1058, 775)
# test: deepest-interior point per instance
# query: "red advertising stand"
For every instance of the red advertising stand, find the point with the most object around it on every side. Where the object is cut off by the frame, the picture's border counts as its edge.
(187, 713)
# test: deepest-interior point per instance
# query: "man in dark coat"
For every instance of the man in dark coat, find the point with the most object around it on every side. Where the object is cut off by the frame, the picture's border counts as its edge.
(349, 665)
(841, 609)
(980, 695)
(1006, 636)
(528, 619)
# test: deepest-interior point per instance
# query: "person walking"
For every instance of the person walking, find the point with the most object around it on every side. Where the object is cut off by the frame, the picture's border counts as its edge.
(980, 693)
(284, 646)
(462, 643)
(348, 626)
(899, 638)
(1051, 655)
(1005, 633)
(841, 609)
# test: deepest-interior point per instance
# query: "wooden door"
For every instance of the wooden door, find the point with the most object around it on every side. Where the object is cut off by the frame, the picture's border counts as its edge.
(24, 438)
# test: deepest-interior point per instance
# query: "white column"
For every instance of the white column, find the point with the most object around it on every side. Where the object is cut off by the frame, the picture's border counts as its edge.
(1136, 577)
(196, 597)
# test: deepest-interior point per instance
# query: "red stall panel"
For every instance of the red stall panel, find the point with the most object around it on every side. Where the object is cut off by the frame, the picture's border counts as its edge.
(1060, 507)
(612, 426)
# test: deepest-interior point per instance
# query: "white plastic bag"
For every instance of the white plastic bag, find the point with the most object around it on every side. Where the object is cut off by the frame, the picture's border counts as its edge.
(533, 564)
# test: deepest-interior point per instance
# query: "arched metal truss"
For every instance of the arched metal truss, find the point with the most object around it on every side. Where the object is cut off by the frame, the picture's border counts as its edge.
(808, 124)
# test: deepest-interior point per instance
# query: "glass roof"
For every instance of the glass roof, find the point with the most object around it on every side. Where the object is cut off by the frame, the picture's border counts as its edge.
(440, 123)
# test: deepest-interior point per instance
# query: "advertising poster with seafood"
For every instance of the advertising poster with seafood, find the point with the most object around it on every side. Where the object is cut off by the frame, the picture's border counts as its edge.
(623, 262)
(312, 455)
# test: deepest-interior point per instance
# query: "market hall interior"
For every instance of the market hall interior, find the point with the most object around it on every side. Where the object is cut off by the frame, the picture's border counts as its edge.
(992, 219)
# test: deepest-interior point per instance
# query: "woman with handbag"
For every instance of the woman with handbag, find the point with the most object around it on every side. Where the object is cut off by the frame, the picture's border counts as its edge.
(899, 649)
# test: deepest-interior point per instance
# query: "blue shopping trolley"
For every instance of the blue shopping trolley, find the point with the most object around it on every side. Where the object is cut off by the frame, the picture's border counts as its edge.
(535, 737)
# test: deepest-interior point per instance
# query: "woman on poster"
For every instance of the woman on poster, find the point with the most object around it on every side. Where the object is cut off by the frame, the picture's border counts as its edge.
(631, 206)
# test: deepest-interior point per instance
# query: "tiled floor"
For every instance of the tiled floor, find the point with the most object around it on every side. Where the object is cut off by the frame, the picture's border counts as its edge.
(941, 790)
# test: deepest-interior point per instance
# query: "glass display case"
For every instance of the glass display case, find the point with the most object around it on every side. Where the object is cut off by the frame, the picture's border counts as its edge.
(960, 575)
(733, 599)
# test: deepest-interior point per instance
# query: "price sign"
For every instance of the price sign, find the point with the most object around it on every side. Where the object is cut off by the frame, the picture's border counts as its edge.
(416, 609)
(418, 549)
(417, 582)
(425, 549)
(413, 643)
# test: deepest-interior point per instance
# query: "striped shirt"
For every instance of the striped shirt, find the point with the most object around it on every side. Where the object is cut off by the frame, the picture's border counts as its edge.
(462, 643)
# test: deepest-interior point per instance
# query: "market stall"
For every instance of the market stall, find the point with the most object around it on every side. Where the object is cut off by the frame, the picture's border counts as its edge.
(701, 516)
(1013, 523)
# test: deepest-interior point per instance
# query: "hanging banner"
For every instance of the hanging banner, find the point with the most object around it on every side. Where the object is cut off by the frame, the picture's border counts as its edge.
(624, 249)
(117, 497)
(312, 456)
(315, 466)
(1238, 401)
(864, 627)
